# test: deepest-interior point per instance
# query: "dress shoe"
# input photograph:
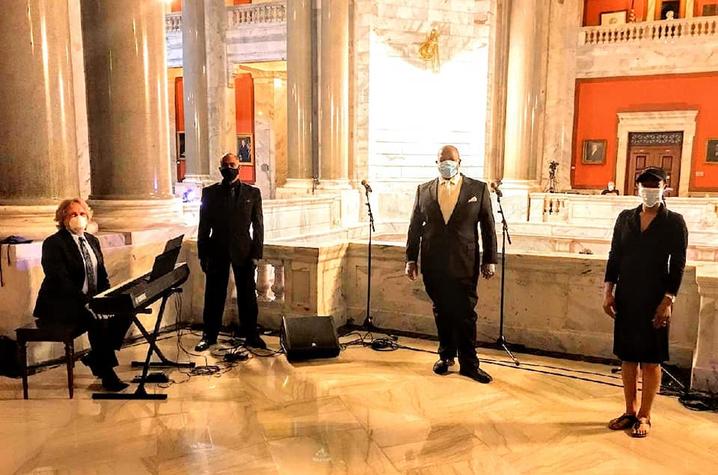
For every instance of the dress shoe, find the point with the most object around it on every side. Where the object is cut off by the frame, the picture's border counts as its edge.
(477, 374)
(442, 366)
(256, 342)
(204, 344)
(110, 382)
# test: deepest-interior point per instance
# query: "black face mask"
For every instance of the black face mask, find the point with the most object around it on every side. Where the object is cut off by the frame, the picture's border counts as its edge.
(229, 174)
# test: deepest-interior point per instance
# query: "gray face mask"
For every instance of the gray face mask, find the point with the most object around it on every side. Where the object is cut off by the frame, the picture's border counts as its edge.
(448, 168)
(650, 196)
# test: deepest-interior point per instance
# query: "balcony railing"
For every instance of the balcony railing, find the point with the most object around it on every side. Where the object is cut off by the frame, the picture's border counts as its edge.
(666, 30)
(173, 22)
(270, 12)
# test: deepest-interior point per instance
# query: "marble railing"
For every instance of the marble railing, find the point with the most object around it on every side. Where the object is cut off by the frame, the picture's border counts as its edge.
(554, 300)
(256, 32)
(270, 12)
(594, 210)
(666, 30)
(173, 22)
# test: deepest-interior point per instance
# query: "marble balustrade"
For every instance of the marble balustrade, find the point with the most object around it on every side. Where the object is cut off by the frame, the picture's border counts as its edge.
(657, 47)
(593, 210)
(684, 28)
(553, 304)
(553, 301)
(256, 32)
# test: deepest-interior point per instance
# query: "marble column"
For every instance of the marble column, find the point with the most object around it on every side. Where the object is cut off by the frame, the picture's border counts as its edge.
(221, 101)
(334, 95)
(209, 97)
(525, 101)
(194, 83)
(264, 150)
(496, 113)
(38, 145)
(299, 97)
(126, 78)
(566, 17)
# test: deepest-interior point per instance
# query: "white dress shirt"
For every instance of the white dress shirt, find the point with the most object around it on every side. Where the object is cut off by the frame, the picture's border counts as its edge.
(93, 258)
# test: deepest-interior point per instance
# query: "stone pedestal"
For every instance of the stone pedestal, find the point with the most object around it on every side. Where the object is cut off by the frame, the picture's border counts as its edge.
(126, 79)
(38, 144)
(704, 376)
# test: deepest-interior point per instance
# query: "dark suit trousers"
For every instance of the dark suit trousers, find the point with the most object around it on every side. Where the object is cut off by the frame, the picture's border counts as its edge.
(106, 337)
(454, 303)
(215, 295)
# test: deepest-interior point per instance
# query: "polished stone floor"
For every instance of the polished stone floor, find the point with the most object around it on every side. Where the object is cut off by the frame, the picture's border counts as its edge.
(366, 412)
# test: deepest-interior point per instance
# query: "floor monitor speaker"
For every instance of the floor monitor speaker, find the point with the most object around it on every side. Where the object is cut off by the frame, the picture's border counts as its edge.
(309, 337)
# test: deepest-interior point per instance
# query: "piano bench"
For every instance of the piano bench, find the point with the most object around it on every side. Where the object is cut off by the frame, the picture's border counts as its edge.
(48, 333)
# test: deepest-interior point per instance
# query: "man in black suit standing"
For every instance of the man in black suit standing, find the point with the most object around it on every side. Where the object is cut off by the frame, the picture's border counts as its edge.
(444, 231)
(228, 210)
(75, 272)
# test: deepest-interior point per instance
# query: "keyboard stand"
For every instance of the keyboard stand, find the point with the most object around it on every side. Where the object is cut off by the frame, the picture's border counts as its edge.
(140, 392)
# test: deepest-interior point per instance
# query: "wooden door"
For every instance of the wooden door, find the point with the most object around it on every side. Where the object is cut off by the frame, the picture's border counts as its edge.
(646, 150)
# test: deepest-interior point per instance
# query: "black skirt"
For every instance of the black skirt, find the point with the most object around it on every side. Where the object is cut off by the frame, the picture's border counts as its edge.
(636, 340)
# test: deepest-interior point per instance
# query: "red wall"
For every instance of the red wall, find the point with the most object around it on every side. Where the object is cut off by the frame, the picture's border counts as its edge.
(244, 92)
(698, 10)
(598, 101)
(179, 105)
(593, 8)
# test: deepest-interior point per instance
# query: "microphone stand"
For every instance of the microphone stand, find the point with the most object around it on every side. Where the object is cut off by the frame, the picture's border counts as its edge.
(368, 324)
(501, 340)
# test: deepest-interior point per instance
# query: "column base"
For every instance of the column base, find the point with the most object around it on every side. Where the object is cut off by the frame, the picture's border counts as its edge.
(296, 187)
(28, 221)
(128, 215)
(350, 197)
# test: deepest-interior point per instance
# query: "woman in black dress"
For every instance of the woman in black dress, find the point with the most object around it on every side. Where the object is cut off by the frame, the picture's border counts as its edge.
(645, 266)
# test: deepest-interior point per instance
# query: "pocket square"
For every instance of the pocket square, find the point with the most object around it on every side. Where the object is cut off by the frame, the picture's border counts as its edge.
(473, 200)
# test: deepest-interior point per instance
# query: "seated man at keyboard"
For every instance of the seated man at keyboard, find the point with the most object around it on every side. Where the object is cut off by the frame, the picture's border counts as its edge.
(74, 272)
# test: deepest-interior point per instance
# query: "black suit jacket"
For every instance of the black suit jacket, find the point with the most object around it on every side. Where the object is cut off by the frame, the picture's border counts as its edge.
(452, 247)
(224, 229)
(61, 297)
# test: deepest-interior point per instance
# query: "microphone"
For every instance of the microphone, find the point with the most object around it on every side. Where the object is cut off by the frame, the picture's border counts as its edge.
(366, 186)
(495, 188)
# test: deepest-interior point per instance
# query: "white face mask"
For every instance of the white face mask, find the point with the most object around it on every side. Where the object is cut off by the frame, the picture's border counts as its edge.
(650, 196)
(77, 224)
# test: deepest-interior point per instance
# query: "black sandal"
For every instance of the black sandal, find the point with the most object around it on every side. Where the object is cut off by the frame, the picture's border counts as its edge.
(641, 421)
(623, 422)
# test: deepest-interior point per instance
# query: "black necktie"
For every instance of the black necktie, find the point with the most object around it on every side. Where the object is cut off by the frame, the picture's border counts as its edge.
(89, 270)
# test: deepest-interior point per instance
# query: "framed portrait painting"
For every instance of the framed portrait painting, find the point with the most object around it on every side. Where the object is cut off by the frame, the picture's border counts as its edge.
(594, 152)
(712, 151)
(614, 18)
(245, 149)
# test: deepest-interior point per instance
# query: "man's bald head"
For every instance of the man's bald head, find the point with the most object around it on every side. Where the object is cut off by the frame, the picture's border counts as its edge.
(449, 152)
(229, 160)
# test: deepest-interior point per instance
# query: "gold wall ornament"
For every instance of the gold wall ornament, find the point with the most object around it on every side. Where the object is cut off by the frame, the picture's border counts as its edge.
(429, 49)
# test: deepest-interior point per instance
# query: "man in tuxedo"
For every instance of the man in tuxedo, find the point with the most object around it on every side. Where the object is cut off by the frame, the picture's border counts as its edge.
(444, 231)
(228, 210)
(74, 272)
